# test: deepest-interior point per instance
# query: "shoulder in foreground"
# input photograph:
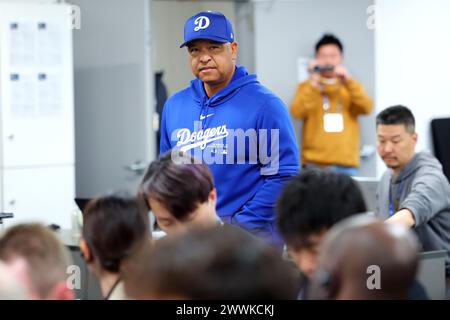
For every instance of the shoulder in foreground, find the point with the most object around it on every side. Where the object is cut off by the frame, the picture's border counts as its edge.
(425, 158)
(245, 233)
(262, 97)
(179, 94)
(259, 89)
(178, 99)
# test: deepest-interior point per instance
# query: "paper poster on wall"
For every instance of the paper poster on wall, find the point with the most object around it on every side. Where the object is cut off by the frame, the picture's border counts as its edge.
(49, 101)
(36, 111)
(23, 95)
(22, 43)
(48, 44)
(302, 69)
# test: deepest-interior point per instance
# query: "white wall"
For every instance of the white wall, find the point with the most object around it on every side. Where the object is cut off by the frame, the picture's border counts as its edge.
(167, 20)
(113, 95)
(412, 55)
(287, 29)
(37, 161)
(31, 1)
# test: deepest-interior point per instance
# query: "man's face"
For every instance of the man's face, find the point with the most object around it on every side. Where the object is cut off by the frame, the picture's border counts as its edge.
(329, 54)
(202, 217)
(395, 145)
(306, 257)
(212, 62)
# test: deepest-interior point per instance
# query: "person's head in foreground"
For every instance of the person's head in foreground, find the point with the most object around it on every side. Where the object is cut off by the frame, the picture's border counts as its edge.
(114, 228)
(396, 137)
(180, 193)
(13, 280)
(309, 206)
(214, 263)
(46, 260)
(364, 258)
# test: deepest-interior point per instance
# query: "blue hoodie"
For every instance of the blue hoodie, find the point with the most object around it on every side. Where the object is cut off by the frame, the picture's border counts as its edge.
(245, 135)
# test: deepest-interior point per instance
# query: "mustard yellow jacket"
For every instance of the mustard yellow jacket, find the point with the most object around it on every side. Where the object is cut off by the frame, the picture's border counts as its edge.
(318, 146)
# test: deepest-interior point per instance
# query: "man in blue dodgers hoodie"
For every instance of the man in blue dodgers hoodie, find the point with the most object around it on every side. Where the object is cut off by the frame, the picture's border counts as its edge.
(235, 125)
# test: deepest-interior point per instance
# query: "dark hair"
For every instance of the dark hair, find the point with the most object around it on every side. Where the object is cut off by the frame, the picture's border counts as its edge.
(180, 185)
(215, 263)
(113, 226)
(315, 200)
(397, 115)
(329, 39)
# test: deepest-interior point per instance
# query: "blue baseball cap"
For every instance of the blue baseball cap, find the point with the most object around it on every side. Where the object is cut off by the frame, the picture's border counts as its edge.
(208, 25)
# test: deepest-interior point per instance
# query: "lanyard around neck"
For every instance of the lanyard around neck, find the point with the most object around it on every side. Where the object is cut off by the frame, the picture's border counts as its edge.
(394, 201)
(326, 101)
(112, 288)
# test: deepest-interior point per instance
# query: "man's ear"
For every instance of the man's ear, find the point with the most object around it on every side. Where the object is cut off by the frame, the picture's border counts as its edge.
(234, 50)
(85, 251)
(293, 253)
(61, 292)
(415, 137)
(213, 196)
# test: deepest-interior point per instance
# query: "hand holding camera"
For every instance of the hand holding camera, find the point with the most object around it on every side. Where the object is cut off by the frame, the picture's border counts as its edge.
(318, 71)
(314, 76)
(323, 68)
(342, 73)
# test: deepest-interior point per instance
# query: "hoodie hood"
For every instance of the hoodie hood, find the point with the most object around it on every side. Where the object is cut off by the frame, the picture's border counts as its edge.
(420, 160)
(240, 79)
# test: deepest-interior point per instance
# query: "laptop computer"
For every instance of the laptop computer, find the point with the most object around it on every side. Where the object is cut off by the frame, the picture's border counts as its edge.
(368, 187)
(431, 273)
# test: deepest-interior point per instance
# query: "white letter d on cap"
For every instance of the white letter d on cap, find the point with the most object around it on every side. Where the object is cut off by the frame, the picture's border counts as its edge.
(201, 22)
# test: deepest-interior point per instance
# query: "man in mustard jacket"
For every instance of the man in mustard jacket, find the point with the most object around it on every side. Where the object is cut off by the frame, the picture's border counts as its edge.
(329, 104)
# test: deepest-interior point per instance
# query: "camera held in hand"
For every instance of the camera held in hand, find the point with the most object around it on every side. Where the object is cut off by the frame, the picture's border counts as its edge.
(323, 68)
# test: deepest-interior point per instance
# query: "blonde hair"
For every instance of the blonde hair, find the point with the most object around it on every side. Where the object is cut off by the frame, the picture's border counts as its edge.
(47, 258)
(10, 287)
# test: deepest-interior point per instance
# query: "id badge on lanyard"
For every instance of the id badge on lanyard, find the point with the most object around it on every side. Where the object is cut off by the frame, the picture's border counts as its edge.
(394, 202)
(333, 122)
